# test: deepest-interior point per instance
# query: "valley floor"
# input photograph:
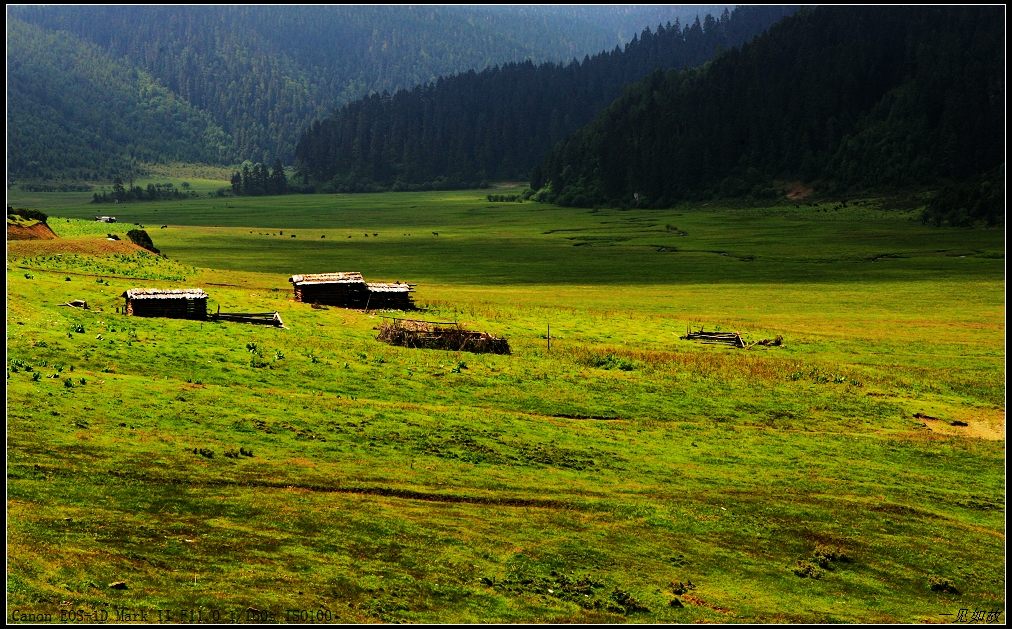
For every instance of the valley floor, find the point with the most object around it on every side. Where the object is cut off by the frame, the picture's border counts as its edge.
(206, 470)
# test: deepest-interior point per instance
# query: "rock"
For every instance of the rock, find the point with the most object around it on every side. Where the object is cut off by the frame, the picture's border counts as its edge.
(118, 585)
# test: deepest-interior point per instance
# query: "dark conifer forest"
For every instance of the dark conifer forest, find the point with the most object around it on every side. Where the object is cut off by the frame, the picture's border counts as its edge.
(850, 99)
(498, 124)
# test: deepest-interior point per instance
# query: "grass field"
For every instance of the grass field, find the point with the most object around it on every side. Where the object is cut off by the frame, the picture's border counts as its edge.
(589, 483)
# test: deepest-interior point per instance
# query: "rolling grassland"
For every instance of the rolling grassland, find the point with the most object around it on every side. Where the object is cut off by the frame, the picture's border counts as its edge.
(854, 474)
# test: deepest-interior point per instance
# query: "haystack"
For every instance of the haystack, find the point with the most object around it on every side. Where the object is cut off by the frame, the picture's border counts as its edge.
(440, 335)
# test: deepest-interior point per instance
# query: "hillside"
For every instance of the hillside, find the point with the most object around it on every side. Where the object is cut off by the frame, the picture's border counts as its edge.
(260, 74)
(848, 99)
(22, 229)
(76, 111)
(498, 124)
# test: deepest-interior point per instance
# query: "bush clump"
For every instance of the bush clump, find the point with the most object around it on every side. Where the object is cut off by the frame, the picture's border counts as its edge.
(610, 361)
(141, 238)
(824, 557)
(807, 569)
(30, 214)
(941, 584)
(625, 603)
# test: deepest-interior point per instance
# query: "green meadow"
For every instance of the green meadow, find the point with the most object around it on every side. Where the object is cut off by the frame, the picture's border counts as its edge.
(312, 473)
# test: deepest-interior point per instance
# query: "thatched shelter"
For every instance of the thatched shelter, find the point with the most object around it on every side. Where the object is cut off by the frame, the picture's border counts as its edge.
(186, 303)
(350, 290)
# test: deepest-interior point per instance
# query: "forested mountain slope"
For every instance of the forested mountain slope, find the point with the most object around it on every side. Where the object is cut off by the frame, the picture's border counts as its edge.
(850, 98)
(75, 111)
(261, 74)
(497, 124)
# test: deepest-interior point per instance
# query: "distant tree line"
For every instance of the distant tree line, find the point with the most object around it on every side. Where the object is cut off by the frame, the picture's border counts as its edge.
(153, 192)
(499, 123)
(55, 187)
(257, 180)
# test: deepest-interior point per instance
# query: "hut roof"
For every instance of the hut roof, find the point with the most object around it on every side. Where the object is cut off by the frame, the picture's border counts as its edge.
(352, 277)
(389, 287)
(158, 293)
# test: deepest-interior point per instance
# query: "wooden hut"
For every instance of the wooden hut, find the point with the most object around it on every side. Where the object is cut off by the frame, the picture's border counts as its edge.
(389, 296)
(347, 290)
(350, 290)
(186, 303)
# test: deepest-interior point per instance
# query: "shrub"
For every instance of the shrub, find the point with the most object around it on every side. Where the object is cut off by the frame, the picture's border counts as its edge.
(141, 238)
(30, 214)
(941, 584)
(807, 569)
(16, 364)
(626, 603)
(825, 555)
(610, 361)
